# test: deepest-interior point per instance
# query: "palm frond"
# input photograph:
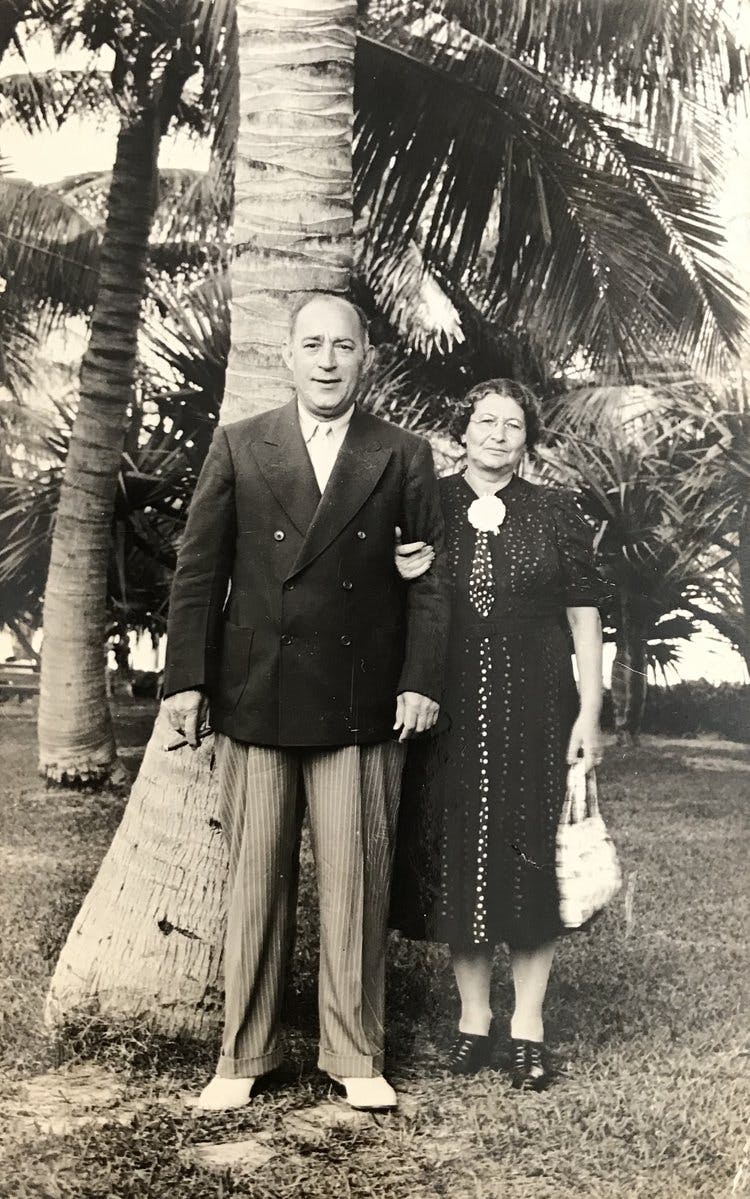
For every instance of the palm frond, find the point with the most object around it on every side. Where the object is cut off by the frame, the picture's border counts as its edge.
(190, 209)
(601, 244)
(440, 375)
(187, 332)
(45, 100)
(627, 468)
(12, 13)
(49, 252)
(18, 348)
(216, 41)
(185, 345)
(161, 44)
(645, 56)
(410, 295)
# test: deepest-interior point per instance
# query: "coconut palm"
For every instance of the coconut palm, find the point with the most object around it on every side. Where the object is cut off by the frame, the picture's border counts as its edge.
(518, 193)
(147, 940)
(154, 57)
(551, 213)
(185, 343)
(579, 225)
(50, 254)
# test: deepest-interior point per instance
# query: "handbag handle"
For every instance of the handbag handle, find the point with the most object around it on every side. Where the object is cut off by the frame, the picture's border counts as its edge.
(573, 811)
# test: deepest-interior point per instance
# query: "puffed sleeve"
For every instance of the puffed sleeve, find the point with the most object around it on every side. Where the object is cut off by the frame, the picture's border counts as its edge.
(582, 584)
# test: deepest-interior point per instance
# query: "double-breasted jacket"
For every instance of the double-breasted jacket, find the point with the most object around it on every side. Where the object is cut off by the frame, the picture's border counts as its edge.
(286, 606)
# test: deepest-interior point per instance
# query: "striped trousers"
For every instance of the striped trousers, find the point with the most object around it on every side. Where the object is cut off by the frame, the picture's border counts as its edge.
(352, 795)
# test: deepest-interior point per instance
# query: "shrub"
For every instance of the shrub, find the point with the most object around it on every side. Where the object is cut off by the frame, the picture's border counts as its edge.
(691, 708)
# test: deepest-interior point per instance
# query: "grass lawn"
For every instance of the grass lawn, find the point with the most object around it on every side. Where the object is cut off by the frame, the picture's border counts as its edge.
(644, 1018)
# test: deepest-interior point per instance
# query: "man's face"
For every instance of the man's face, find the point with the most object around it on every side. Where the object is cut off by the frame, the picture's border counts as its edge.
(327, 354)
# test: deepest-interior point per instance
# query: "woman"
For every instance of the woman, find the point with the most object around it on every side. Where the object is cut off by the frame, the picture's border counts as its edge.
(481, 801)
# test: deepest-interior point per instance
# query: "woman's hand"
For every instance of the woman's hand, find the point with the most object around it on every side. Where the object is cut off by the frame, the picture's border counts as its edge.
(413, 559)
(586, 738)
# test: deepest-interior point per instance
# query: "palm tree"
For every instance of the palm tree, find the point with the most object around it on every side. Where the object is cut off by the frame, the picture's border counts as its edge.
(627, 456)
(148, 942)
(154, 58)
(519, 195)
(578, 226)
(186, 340)
(715, 489)
(49, 260)
(551, 213)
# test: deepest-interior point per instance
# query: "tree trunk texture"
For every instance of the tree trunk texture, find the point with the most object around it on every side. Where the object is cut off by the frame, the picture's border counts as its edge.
(629, 675)
(293, 185)
(149, 938)
(743, 561)
(144, 942)
(76, 743)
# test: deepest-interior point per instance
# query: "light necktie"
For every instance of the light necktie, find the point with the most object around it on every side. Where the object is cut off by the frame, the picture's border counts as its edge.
(323, 453)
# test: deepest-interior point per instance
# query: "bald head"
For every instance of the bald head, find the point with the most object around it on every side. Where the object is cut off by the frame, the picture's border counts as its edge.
(327, 297)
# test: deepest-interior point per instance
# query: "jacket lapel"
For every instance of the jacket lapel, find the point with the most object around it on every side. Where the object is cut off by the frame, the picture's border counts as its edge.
(360, 463)
(286, 467)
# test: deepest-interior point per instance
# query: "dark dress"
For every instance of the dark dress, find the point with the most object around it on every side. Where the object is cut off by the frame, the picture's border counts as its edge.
(475, 858)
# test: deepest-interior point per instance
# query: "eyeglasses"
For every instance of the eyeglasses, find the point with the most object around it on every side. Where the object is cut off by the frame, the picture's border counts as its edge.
(486, 423)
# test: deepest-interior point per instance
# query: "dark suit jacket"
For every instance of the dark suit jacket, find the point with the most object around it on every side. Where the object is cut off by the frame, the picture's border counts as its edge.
(287, 607)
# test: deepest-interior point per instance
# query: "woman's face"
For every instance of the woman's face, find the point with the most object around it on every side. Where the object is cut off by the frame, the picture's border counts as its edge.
(496, 435)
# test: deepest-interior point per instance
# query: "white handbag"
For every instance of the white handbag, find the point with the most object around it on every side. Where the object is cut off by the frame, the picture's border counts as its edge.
(588, 872)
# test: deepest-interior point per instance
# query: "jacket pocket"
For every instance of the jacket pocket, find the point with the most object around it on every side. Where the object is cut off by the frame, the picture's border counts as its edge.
(234, 665)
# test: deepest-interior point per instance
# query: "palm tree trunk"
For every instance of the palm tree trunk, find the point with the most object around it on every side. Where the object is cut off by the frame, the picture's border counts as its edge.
(293, 189)
(743, 561)
(148, 939)
(22, 639)
(629, 674)
(76, 744)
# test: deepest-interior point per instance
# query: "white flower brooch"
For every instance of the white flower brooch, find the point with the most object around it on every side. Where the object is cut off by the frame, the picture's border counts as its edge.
(487, 513)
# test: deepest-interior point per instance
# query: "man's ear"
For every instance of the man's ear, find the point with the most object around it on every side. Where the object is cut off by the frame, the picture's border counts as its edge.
(286, 354)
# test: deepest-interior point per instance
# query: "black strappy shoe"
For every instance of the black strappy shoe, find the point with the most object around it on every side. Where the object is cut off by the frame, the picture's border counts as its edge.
(528, 1070)
(468, 1054)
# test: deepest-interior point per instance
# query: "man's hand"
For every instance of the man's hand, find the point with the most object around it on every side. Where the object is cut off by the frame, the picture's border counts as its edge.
(414, 558)
(188, 712)
(414, 714)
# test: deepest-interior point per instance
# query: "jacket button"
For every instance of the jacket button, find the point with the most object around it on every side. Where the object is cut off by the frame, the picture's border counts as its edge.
(347, 584)
(346, 640)
(287, 639)
(289, 586)
(279, 535)
(361, 534)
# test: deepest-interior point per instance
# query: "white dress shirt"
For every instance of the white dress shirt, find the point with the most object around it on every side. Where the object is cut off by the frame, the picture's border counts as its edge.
(323, 440)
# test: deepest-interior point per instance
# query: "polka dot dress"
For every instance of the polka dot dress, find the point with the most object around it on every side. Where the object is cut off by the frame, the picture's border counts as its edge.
(475, 860)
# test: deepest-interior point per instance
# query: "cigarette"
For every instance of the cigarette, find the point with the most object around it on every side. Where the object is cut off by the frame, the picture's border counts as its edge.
(202, 734)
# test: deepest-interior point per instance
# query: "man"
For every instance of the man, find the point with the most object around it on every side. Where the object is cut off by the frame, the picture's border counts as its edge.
(288, 616)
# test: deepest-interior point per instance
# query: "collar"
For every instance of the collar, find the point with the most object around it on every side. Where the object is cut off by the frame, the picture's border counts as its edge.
(309, 423)
(501, 489)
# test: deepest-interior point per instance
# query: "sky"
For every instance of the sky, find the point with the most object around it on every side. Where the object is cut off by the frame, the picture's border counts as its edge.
(86, 145)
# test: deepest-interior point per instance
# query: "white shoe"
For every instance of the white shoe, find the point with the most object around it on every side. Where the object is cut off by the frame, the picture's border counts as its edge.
(369, 1094)
(222, 1094)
